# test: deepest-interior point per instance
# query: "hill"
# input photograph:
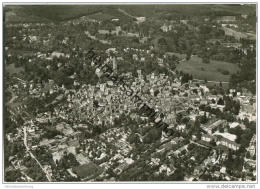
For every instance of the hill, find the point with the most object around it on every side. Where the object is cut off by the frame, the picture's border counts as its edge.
(55, 13)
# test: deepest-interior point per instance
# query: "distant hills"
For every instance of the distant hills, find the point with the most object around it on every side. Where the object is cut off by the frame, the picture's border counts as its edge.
(56, 13)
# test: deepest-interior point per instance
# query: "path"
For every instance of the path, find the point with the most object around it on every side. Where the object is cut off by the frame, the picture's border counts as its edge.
(212, 81)
(199, 144)
(125, 13)
(23, 173)
(31, 154)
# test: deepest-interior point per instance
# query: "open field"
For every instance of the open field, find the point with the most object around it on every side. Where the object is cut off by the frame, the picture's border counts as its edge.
(11, 69)
(211, 72)
(56, 13)
(49, 13)
(87, 170)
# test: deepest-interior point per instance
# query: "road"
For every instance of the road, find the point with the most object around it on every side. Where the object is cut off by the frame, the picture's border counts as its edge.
(12, 99)
(217, 82)
(31, 154)
(125, 13)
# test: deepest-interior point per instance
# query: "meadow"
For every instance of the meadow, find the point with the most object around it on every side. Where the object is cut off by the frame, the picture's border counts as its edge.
(212, 71)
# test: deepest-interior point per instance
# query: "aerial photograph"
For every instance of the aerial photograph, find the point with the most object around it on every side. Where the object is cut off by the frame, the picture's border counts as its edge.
(129, 93)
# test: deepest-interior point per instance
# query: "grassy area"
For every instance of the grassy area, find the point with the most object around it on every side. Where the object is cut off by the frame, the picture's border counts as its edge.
(101, 16)
(87, 170)
(211, 72)
(31, 13)
(186, 10)
(56, 13)
(11, 69)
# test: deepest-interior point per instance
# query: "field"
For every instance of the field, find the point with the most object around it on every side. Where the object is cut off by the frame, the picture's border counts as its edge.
(87, 170)
(211, 72)
(101, 16)
(11, 69)
(57, 13)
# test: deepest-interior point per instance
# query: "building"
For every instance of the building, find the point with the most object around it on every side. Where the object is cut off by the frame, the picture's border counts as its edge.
(140, 19)
(252, 146)
(214, 126)
(236, 34)
(226, 19)
(206, 138)
(226, 142)
(166, 28)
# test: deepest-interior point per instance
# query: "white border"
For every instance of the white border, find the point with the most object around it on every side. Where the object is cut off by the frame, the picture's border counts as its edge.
(117, 184)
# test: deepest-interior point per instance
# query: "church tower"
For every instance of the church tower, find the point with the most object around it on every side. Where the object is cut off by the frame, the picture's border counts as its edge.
(114, 65)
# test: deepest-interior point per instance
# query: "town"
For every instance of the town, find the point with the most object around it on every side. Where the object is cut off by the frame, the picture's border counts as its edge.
(65, 121)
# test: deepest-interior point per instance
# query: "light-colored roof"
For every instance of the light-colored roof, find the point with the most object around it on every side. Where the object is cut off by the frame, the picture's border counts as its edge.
(227, 136)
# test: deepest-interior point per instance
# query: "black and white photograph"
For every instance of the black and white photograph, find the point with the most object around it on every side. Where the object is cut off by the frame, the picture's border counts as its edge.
(128, 92)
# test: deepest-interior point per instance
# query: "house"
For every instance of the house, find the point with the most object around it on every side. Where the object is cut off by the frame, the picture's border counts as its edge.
(252, 146)
(166, 28)
(181, 127)
(217, 174)
(57, 155)
(244, 16)
(198, 170)
(103, 32)
(214, 126)
(236, 34)
(226, 19)
(233, 125)
(206, 138)
(140, 19)
(226, 142)
(184, 21)
(57, 54)
(223, 170)
(115, 20)
(169, 170)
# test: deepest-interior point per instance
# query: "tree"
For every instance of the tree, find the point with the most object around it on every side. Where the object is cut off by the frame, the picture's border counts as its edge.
(156, 92)
(221, 130)
(220, 101)
(13, 176)
(153, 135)
(203, 119)
(178, 118)
(205, 60)
(134, 138)
(188, 55)
(162, 42)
